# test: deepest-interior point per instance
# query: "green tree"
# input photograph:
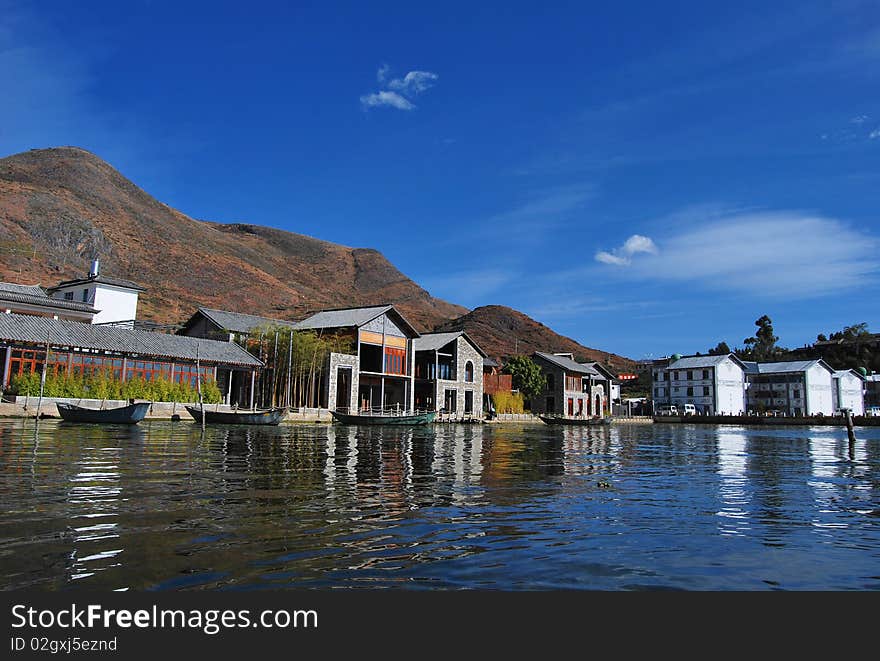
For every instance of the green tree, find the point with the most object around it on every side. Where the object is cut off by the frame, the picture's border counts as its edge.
(527, 377)
(721, 349)
(762, 346)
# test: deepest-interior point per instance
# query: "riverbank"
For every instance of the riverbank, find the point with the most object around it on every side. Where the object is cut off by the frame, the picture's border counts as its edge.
(821, 420)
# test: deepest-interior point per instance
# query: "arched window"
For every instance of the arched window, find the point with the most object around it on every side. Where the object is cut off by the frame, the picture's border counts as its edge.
(469, 372)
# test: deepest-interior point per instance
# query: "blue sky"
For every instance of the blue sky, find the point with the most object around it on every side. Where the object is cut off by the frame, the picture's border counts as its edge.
(646, 178)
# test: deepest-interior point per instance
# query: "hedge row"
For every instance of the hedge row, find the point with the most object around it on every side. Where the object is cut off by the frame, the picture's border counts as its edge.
(102, 386)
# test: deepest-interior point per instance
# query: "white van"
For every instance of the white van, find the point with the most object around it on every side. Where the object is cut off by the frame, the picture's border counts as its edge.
(689, 409)
(667, 410)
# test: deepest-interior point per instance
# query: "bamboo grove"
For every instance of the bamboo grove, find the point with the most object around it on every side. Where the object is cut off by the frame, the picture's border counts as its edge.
(295, 364)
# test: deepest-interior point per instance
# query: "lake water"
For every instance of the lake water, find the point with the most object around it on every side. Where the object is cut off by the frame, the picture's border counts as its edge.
(160, 507)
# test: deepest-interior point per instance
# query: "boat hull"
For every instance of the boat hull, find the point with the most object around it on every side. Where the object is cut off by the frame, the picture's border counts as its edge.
(417, 419)
(270, 417)
(123, 415)
(578, 422)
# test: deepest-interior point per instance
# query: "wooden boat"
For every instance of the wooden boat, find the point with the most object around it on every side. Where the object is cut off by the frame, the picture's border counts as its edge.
(588, 422)
(122, 415)
(265, 417)
(385, 418)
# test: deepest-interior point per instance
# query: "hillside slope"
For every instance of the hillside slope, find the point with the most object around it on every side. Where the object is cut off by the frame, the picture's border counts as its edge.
(59, 207)
(503, 331)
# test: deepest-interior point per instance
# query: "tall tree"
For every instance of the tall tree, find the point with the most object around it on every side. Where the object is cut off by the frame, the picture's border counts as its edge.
(763, 345)
(527, 377)
(721, 349)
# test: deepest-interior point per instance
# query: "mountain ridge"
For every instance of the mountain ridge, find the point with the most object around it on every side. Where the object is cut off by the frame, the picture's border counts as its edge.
(59, 207)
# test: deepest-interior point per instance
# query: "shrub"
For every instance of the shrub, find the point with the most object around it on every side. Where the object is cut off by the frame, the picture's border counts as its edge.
(508, 402)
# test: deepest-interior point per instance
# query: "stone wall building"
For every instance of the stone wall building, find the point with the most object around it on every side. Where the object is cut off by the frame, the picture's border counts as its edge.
(449, 374)
(573, 389)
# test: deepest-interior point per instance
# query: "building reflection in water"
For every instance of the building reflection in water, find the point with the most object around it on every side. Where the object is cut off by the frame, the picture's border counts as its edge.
(733, 487)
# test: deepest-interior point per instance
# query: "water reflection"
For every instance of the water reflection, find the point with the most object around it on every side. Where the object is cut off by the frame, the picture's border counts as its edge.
(162, 506)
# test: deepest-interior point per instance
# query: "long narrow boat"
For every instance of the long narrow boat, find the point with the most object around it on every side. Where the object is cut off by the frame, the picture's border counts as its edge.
(583, 422)
(122, 415)
(384, 418)
(266, 417)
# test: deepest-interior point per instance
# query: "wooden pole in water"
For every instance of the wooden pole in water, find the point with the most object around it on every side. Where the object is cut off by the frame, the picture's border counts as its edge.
(199, 386)
(43, 376)
(850, 432)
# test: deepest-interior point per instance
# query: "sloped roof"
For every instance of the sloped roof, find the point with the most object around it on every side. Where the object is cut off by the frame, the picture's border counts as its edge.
(567, 364)
(790, 366)
(688, 362)
(36, 295)
(601, 369)
(435, 341)
(36, 330)
(352, 318)
(238, 322)
(839, 373)
(99, 279)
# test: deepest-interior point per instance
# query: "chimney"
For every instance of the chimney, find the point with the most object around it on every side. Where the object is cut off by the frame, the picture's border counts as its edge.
(93, 272)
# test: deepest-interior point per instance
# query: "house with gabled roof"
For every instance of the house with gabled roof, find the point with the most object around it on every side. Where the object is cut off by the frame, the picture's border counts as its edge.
(572, 388)
(798, 387)
(848, 391)
(379, 375)
(714, 384)
(115, 300)
(227, 325)
(449, 374)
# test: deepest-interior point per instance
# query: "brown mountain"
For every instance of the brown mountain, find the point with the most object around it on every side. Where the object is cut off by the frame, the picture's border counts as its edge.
(61, 207)
(504, 332)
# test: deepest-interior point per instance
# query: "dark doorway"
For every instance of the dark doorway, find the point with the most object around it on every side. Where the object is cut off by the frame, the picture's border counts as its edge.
(343, 388)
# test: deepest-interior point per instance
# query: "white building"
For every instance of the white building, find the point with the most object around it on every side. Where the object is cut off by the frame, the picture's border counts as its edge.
(115, 299)
(801, 387)
(848, 391)
(713, 384)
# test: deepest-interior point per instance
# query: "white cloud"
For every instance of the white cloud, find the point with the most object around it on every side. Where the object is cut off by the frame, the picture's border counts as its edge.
(874, 134)
(769, 254)
(622, 256)
(413, 83)
(385, 98)
(859, 119)
(398, 92)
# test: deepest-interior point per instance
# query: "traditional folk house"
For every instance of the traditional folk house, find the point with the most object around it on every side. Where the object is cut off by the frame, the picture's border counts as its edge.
(573, 389)
(124, 353)
(229, 326)
(801, 387)
(379, 374)
(449, 374)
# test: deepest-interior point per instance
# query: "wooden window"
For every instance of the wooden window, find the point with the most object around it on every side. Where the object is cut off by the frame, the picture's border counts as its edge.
(68, 296)
(469, 372)
(26, 361)
(395, 361)
(149, 370)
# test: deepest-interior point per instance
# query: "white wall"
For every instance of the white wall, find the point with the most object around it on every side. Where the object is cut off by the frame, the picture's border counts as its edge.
(114, 304)
(849, 393)
(819, 398)
(730, 386)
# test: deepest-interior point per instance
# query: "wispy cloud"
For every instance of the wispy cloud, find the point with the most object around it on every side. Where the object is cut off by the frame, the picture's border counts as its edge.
(544, 210)
(385, 98)
(623, 255)
(769, 254)
(398, 92)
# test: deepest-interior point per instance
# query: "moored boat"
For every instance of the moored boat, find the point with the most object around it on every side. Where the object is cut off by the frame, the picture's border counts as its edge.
(122, 415)
(585, 422)
(422, 418)
(264, 417)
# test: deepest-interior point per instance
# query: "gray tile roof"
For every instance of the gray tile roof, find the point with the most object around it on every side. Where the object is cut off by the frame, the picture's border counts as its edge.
(839, 373)
(100, 279)
(238, 322)
(790, 366)
(354, 318)
(35, 295)
(25, 328)
(346, 318)
(567, 364)
(434, 341)
(698, 361)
